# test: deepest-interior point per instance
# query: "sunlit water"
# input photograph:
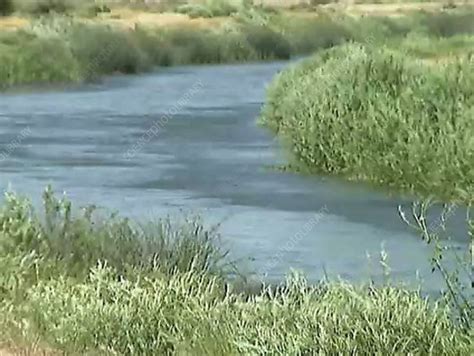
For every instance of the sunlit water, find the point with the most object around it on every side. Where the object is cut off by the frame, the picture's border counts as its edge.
(209, 158)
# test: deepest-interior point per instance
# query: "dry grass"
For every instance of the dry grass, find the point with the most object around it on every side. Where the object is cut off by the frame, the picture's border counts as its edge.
(389, 9)
(129, 18)
(12, 23)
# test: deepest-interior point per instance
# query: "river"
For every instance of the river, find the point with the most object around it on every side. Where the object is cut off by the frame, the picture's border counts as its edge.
(211, 158)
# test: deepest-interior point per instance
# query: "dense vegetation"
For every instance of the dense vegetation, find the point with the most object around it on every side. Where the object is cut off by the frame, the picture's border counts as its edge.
(378, 113)
(393, 114)
(162, 288)
(81, 50)
(86, 51)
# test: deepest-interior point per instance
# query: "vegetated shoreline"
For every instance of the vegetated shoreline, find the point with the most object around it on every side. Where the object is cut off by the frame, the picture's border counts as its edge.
(394, 114)
(162, 288)
(80, 50)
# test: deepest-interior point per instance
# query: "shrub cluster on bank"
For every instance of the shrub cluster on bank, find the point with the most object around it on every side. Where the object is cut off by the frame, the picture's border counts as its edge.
(75, 283)
(376, 114)
(78, 51)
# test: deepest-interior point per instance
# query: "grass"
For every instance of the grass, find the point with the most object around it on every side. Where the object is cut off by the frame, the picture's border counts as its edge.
(162, 288)
(375, 114)
(210, 8)
(85, 50)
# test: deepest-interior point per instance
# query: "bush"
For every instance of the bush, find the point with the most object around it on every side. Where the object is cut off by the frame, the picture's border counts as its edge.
(156, 47)
(92, 10)
(76, 242)
(204, 46)
(6, 7)
(194, 11)
(41, 7)
(372, 114)
(221, 8)
(26, 63)
(306, 36)
(209, 8)
(448, 24)
(267, 43)
(101, 50)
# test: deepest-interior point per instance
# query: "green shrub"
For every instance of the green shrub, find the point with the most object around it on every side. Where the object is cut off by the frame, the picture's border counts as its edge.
(310, 35)
(155, 45)
(205, 46)
(375, 115)
(41, 7)
(92, 10)
(206, 9)
(101, 50)
(191, 46)
(6, 7)
(267, 43)
(422, 46)
(194, 10)
(221, 7)
(234, 47)
(448, 24)
(26, 63)
(75, 242)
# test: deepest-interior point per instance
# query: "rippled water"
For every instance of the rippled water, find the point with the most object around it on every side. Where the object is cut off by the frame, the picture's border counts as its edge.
(208, 157)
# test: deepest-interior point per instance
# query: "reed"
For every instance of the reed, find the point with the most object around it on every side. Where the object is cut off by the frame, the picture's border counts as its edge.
(375, 114)
(74, 282)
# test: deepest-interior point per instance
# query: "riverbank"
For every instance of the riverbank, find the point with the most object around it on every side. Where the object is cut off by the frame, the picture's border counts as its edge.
(396, 115)
(126, 41)
(162, 288)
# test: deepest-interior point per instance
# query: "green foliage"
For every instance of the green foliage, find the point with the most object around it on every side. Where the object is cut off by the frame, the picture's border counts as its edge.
(308, 35)
(194, 10)
(26, 63)
(206, 9)
(41, 7)
(158, 49)
(77, 242)
(459, 291)
(221, 7)
(82, 284)
(422, 46)
(85, 51)
(188, 313)
(267, 43)
(376, 115)
(101, 50)
(6, 7)
(448, 24)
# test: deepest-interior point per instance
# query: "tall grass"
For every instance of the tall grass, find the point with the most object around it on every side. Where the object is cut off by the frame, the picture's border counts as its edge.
(189, 314)
(309, 35)
(449, 24)
(210, 8)
(373, 114)
(41, 7)
(76, 241)
(165, 292)
(23, 60)
(84, 51)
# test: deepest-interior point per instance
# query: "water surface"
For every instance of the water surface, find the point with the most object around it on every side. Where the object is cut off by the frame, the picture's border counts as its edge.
(209, 158)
